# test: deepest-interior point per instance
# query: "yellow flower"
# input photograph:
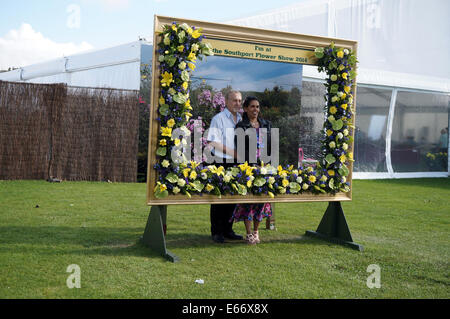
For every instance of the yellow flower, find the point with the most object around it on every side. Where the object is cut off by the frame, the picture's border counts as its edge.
(350, 155)
(166, 131)
(329, 132)
(177, 142)
(344, 76)
(248, 171)
(340, 54)
(189, 30)
(244, 166)
(271, 194)
(174, 27)
(333, 110)
(194, 164)
(171, 123)
(285, 182)
(188, 104)
(162, 187)
(343, 158)
(192, 57)
(312, 178)
(185, 85)
(193, 175)
(330, 172)
(343, 96)
(162, 142)
(209, 187)
(161, 100)
(167, 78)
(191, 66)
(186, 172)
(347, 89)
(196, 34)
(180, 48)
(344, 106)
(249, 183)
(323, 178)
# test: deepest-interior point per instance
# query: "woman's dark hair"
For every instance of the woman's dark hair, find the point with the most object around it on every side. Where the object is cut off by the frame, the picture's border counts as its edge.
(248, 99)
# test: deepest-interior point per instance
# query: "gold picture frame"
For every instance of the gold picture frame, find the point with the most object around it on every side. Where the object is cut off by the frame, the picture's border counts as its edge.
(289, 46)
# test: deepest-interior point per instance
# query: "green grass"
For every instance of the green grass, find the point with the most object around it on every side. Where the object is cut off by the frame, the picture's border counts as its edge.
(402, 224)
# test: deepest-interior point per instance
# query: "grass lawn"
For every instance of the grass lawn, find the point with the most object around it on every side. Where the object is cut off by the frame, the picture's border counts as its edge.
(404, 226)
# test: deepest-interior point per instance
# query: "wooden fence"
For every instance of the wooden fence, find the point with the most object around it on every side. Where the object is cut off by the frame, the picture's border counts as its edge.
(55, 131)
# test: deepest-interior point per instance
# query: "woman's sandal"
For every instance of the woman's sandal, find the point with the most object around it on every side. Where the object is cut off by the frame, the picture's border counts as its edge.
(256, 237)
(250, 239)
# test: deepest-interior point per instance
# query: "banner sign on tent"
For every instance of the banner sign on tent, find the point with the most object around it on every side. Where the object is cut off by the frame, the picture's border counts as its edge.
(257, 51)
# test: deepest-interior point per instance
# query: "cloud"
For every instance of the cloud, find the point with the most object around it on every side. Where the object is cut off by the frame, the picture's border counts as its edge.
(26, 46)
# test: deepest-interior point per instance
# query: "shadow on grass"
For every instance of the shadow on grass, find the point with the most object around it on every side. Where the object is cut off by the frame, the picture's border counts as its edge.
(441, 183)
(58, 240)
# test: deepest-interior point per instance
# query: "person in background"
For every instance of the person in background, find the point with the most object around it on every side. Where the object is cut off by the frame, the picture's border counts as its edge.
(443, 140)
(253, 212)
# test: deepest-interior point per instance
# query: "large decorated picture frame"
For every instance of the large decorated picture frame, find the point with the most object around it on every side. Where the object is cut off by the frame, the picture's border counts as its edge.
(178, 46)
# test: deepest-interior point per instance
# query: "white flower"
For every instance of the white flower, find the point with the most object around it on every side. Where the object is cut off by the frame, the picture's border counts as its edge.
(194, 47)
(299, 179)
(332, 144)
(346, 51)
(305, 187)
(185, 130)
(271, 180)
(345, 146)
(334, 98)
(263, 171)
(227, 178)
(165, 163)
(182, 65)
(340, 135)
(340, 94)
(176, 190)
(345, 132)
(343, 179)
(166, 40)
(331, 118)
(184, 26)
(203, 175)
(181, 182)
(282, 190)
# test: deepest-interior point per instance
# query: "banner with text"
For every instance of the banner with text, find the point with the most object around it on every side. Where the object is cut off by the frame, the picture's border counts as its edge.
(256, 51)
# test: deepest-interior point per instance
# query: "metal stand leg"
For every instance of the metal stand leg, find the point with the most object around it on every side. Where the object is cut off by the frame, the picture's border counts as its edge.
(154, 232)
(333, 227)
(270, 221)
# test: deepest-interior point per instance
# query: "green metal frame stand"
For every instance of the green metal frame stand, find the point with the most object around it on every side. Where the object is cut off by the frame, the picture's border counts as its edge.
(154, 233)
(333, 227)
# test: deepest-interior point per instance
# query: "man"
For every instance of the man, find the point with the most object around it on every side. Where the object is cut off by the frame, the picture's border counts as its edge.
(221, 138)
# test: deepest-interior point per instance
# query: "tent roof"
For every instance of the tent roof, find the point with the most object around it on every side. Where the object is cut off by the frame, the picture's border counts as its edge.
(400, 43)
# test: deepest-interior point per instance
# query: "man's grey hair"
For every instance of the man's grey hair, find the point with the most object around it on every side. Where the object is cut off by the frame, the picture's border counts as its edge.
(229, 93)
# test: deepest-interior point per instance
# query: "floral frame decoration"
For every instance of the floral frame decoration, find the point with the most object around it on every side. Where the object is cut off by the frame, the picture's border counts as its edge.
(179, 45)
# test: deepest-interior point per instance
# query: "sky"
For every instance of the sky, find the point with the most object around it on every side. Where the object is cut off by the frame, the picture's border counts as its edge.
(33, 31)
(247, 74)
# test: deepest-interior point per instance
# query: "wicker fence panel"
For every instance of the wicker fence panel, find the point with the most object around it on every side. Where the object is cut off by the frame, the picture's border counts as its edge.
(67, 133)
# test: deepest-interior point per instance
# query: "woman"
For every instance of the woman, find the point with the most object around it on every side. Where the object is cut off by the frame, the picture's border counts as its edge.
(253, 212)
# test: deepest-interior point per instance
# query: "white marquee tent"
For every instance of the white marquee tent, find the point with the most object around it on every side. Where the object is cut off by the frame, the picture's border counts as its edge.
(403, 75)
